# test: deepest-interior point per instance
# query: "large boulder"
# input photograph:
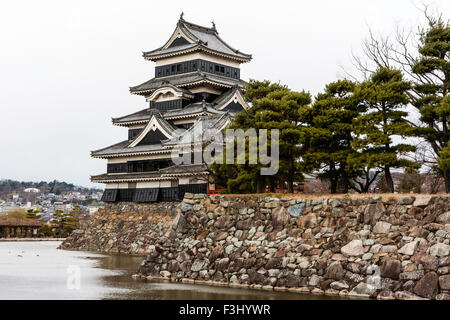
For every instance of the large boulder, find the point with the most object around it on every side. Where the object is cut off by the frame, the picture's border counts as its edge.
(339, 285)
(428, 261)
(222, 264)
(422, 202)
(364, 289)
(255, 277)
(173, 266)
(406, 295)
(217, 252)
(335, 271)
(297, 209)
(391, 268)
(185, 207)
(409, 248)
(307, 221)
(179, 223)
(382, 227)
(440, 249)
(223, 222)
(373, 213)
(444, 218)
(274, 263)
(353, 248)
(427, 286)
(406, 200)
(292, 281)
(444, 282)
(280, 217)
(199, 265)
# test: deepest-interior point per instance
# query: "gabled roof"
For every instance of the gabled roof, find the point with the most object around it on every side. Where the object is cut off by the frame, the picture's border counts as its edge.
(122, 149)
(194, 109)
(156, 123)
(170, 88)
(192, 135)
(186, 80)
(233, 95)
(198, 38)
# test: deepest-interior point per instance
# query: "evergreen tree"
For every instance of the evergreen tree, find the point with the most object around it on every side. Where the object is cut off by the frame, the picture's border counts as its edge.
(430, 90)
(384, 97)
(283, 110)
(244, 178)
(31, 214)
(65, 223)
(328, 136)
(411, 181)
(274, 106)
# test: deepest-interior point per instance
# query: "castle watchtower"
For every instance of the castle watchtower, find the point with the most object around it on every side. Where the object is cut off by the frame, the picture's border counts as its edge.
(197, 79)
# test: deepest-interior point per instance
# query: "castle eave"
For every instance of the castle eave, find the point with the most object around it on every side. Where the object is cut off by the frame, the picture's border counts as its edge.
(164, 55)
(107, 178)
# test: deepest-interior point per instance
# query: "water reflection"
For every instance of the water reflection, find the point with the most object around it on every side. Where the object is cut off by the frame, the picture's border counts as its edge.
(37, 270)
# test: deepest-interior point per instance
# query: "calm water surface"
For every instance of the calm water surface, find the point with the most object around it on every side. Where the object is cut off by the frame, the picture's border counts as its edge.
(37, 270)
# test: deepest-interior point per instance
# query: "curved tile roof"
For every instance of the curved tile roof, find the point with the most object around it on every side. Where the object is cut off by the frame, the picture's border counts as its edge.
(185, 79)
(122, 148)
(203, 38)
(141, 115)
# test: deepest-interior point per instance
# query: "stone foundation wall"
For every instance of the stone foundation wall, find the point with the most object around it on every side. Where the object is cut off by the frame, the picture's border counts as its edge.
(396, 248)
(123, 228)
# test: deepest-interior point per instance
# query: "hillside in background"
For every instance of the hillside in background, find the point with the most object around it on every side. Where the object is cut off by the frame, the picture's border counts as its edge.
(8, 186)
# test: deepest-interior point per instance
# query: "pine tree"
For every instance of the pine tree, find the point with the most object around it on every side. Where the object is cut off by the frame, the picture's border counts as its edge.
(430, 90)
(384, 97)
(282, 110)
(274, 106)
(328, 136)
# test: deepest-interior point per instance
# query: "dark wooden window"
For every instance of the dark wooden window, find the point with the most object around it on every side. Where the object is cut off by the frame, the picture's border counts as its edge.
(148, 165)
(125, 195)
(170, 105)
(117, 167)
(152, 194)
(146, 195)
(194, 65)
(133, 133)
(110, 195)
(169, 194)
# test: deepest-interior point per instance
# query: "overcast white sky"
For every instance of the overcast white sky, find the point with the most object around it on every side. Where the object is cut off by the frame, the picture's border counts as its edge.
(65, 66)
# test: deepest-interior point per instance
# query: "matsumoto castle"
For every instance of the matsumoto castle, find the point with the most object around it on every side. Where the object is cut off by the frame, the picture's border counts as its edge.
(196, 85)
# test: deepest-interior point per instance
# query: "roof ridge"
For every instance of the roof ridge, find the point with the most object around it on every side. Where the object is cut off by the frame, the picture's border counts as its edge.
(198, 27)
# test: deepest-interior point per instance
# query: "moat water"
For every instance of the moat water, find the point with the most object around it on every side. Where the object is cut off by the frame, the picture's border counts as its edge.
(37, 270)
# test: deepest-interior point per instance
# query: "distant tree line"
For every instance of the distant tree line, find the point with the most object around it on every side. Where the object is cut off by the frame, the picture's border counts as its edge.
(356, 132)
(56, 187)
(61, 225)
